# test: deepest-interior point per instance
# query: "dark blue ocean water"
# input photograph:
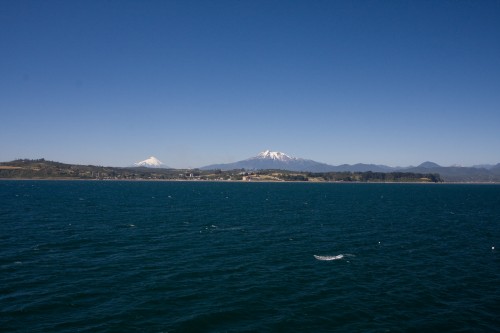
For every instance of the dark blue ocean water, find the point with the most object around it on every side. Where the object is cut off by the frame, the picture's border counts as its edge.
(83, 256)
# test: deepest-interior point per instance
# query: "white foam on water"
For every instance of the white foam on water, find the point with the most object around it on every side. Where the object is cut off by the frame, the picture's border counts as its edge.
(337, 257)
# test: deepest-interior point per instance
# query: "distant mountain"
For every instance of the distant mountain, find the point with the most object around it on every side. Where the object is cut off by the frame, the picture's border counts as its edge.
(495, 169)
(429, 165)
(459, 174)
(273, 160)
(151, 162)
(485, 166)
(361, 167)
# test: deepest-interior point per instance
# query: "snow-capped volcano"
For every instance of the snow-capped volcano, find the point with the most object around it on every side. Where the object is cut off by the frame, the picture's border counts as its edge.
(274, 155)
(151, 162)
(272, 160)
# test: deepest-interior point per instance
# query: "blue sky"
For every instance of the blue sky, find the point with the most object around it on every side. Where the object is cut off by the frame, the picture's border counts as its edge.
(201, 82)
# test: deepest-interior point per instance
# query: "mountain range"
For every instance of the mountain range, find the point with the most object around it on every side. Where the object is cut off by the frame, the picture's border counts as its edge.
(281, 161)
(274, 160)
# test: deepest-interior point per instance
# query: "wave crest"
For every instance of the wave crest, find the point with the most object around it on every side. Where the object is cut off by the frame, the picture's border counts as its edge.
(337, 257)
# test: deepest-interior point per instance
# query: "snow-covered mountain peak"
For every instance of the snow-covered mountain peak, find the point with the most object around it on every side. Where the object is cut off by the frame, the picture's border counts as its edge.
(274, 155)
(151, 162)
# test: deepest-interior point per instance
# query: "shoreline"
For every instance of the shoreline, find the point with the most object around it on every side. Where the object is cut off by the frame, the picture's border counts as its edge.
(243, 181)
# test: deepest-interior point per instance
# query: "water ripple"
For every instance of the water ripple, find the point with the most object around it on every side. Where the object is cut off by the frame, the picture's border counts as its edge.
(225, 257)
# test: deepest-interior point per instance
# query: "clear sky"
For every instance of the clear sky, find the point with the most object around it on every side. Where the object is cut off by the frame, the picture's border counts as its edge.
(201, 82)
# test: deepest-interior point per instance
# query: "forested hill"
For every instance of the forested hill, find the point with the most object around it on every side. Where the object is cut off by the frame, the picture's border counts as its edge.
(42, 169)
